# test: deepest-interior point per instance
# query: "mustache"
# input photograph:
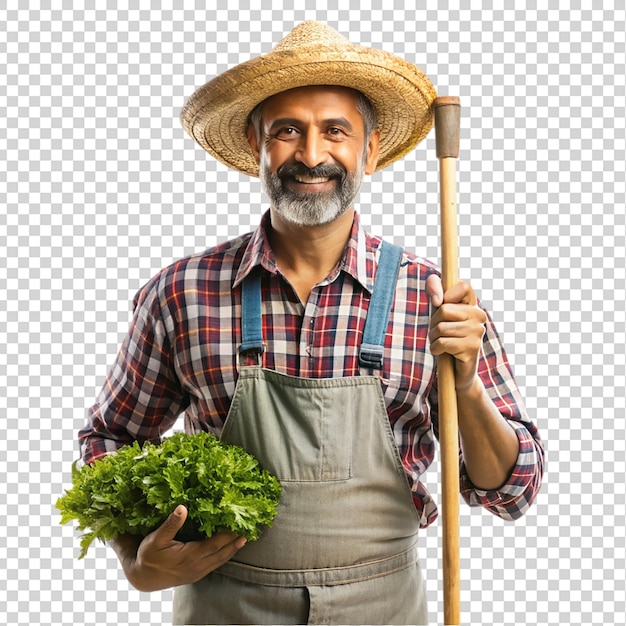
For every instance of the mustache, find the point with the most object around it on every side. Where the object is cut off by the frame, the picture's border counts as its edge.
(319, 171)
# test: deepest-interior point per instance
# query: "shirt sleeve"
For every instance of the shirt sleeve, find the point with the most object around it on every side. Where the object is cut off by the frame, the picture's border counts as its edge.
(512, 499)
(142, 397)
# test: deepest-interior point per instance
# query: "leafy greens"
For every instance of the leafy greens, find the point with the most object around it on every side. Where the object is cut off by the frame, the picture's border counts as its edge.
(134, 490)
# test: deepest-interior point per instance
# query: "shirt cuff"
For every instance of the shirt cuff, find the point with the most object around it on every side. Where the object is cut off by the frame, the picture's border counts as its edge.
(506, 500)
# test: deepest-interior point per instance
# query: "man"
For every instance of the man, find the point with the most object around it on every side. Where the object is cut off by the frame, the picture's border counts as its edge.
(313, 345)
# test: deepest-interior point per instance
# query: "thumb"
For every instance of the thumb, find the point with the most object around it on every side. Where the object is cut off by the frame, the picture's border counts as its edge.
(434, 289)
(174, 522)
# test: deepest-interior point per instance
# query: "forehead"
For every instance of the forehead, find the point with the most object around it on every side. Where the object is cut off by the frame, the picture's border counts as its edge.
(311, 100)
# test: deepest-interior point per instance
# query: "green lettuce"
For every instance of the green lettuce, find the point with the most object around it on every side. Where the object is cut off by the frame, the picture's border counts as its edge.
(134, 490)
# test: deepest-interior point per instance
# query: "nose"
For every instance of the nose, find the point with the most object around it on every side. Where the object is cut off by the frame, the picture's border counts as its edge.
(311, 150)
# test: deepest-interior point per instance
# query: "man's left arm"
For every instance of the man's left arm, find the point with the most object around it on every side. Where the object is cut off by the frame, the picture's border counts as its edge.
(502, 457)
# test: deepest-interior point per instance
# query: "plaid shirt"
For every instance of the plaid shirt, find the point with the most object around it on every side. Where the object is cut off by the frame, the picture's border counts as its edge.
(181, 355)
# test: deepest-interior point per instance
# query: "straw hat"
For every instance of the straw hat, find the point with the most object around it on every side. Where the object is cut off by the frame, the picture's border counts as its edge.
(312, 54)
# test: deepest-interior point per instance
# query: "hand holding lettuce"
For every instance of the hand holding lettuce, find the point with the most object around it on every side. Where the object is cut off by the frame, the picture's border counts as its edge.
(134, 491)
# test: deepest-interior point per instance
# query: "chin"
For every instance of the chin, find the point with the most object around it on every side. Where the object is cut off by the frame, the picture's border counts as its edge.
(306, 216)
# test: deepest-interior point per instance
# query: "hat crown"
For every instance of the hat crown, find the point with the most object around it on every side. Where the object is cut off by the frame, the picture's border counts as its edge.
(311, 33)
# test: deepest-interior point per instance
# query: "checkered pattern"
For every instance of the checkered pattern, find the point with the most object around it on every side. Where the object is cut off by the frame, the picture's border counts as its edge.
(100, 188)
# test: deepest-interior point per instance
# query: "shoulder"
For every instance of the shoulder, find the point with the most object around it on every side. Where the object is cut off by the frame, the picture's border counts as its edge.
(213, 263)
(412, 265)
(419, 267)
(212, 266)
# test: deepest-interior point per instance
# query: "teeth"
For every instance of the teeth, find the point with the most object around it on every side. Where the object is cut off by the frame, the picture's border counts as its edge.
(309, 180)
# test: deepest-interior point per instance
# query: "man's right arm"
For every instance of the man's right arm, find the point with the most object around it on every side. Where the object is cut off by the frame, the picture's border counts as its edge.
(142, 396)
(141, 399)
(160, 562)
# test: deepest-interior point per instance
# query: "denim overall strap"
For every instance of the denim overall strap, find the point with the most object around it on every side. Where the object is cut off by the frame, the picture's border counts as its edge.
(373, 345)
(251, 320)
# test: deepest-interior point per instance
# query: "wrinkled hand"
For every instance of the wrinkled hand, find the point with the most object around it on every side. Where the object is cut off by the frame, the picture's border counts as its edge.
(457, 327)
(162, 562)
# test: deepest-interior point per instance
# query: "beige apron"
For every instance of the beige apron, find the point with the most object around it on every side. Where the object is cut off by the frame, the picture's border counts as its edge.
(342, 549)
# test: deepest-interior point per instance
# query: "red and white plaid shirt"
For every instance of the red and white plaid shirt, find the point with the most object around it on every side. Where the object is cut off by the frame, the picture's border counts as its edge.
(181, 355)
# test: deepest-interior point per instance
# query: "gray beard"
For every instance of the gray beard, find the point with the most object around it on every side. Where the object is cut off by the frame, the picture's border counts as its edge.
(310, 209)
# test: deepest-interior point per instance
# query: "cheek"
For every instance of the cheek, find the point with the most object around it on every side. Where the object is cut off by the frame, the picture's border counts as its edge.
(277, 154)
(349, 156)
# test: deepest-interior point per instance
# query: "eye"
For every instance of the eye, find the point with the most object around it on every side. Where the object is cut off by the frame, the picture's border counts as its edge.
(336, 133)
(286, 132)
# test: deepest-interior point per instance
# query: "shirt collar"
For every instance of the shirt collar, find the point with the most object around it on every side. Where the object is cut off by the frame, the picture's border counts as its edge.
(359, 248)
(258, 252)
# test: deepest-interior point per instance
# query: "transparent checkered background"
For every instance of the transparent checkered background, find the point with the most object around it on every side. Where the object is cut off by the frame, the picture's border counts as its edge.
(100, 188)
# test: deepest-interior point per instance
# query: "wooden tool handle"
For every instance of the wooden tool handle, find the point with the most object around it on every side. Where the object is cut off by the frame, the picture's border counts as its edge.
(447, 131)
(447, 126)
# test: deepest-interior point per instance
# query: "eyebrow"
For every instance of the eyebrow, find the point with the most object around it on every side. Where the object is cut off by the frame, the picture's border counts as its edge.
(292, 121)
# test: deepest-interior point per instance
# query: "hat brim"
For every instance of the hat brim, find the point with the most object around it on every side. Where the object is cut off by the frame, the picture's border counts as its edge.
(216, 115)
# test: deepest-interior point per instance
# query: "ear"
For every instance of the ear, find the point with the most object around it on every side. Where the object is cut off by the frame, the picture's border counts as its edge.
(373, 148)
(254, 142)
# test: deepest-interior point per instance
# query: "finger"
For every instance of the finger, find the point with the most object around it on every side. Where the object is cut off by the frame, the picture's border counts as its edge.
(458, 347)
(469, 338)
(205, 563)
(461, 293)
(221, 547)
(218, 540)
(434, 289)
(471, 316)
(450, 313)
(174, 522)
(454, 330)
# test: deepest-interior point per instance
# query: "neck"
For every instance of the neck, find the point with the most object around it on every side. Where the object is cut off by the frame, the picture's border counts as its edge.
(305, 255)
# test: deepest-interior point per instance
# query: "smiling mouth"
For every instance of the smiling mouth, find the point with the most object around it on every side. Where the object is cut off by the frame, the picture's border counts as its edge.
(311, 180)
